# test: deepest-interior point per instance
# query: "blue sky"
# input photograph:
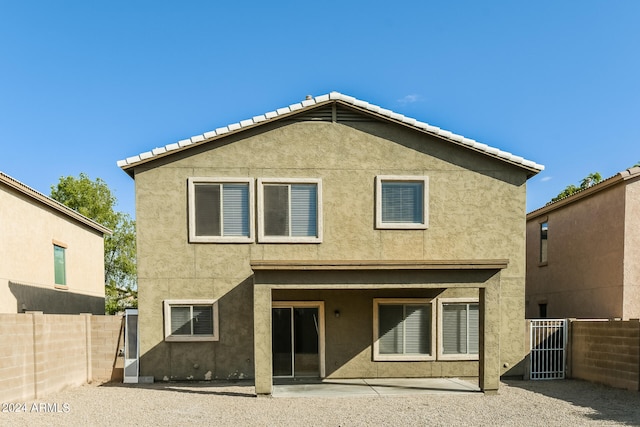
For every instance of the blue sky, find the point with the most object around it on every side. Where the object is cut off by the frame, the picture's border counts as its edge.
(86, 83)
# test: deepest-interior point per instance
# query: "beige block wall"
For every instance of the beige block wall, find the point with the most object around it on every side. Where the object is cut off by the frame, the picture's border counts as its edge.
(41, 354)
(583, 277)
(61, 349)
(606, 352)
(28, 231)
(476, 212)
(17, 375)
(107, 339)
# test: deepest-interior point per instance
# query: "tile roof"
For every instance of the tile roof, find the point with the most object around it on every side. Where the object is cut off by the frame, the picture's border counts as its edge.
(633, 173)
(48, 201)
(323, 99)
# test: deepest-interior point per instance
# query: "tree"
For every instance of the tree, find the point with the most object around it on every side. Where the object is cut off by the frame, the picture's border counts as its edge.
(94, 200)
(588, 181)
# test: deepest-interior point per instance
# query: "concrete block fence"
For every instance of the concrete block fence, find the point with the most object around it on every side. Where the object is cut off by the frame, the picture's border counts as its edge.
(606, 352)
(41, 354)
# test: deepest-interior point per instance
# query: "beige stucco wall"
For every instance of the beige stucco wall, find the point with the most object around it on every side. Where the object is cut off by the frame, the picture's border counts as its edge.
(476, 212)
(583, 277)
(631, 269)
(28, 230)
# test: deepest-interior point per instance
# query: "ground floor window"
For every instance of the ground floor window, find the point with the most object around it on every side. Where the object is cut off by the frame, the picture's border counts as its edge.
(191, 320)
(459, 327)
(402, 329)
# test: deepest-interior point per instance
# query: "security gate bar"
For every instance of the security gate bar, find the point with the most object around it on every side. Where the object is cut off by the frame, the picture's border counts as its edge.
(548, 338)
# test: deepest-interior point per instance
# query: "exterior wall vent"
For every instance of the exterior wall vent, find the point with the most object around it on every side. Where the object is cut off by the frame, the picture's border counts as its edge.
(325, 114)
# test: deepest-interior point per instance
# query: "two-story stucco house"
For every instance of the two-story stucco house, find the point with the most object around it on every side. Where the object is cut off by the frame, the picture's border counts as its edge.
(52, 257)
(583, 253)
(331, 238)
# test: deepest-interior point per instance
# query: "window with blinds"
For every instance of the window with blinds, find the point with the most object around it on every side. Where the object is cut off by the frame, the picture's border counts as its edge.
(459, 329)
(402, 202)
(220, 210)
(289, 210)
(191, 320)
(403, 330)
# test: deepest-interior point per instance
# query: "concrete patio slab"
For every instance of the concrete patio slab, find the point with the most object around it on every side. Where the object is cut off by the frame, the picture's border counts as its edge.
(373, 387)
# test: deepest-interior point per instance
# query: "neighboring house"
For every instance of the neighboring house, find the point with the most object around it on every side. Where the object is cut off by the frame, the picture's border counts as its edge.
(52, 257)
(334, 239)
(583, 252)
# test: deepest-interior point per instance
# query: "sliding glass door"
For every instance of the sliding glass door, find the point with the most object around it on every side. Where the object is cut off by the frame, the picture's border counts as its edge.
(296, 340)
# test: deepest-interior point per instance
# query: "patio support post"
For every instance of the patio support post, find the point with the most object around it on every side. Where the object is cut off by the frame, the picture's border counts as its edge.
(262, 339)
(489, 369)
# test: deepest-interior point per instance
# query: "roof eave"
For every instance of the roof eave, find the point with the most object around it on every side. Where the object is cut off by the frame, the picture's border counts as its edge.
(628, 174)
(461, 141)
(129, 164)
(183, 145)
(47, 201)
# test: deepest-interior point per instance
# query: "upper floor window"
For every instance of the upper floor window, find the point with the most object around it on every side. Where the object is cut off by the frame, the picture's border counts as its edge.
(290, 210)
(221, 210)
(59, 264)
(544, 229)
(402, 202)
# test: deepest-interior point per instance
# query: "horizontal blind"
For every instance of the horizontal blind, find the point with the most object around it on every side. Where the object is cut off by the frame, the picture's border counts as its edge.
(402, 202)
(235, 209)
(304, 210)
(202, 320)
(390, 329)
(474, 328)
(180, 320)
(454, 328)
(460, 326)
(417, 329)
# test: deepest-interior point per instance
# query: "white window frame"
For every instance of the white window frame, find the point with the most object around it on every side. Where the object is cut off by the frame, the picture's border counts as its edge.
(376, 330)
(190, 302)
(425, 201)
(193, 238)
(441, 355)
(262, 238)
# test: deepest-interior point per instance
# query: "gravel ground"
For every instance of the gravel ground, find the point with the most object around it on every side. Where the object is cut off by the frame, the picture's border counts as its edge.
(519, 403)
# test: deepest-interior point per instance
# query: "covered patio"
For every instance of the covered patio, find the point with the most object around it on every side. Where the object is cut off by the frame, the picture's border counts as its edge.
(277, 281)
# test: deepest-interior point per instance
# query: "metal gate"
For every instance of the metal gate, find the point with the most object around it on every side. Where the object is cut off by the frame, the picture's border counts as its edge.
(548, 355)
